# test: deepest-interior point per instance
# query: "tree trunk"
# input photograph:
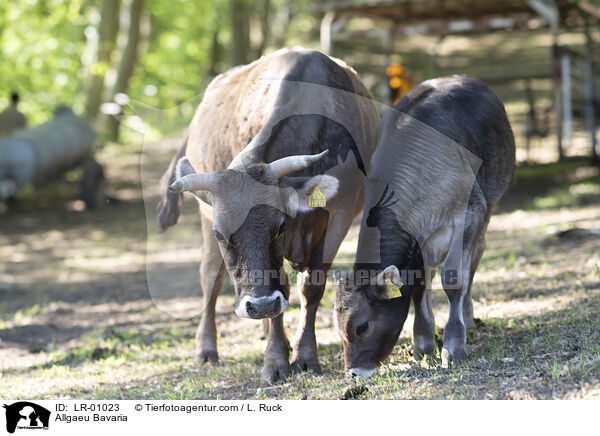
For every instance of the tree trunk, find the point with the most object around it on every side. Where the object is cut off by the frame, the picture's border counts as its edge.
(264, 27)
(215, 51)
(282, 19)
(240, 32)
(128, 61)
(107, 34)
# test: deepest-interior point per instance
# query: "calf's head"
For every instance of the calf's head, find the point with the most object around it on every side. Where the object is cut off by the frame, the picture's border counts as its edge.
(252, 210)
(369, 317)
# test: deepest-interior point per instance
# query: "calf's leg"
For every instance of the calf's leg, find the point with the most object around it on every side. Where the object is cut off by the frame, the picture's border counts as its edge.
(468, 302)
(456, 275)
(424, 326)
(455, 333)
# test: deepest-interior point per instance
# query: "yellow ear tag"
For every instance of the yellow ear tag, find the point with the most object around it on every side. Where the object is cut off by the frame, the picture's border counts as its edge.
(393, 290)
(317, 198)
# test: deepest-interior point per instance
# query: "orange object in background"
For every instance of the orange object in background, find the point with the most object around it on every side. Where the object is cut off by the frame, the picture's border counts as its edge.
(395, 82)
(394, 70)
(399, 82)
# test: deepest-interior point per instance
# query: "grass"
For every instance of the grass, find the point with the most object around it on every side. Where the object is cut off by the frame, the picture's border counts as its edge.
(98, 305)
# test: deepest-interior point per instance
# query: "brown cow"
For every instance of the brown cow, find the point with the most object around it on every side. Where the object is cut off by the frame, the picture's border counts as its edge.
(264, 138)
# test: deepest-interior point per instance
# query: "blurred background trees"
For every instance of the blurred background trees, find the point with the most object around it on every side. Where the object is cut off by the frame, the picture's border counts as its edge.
(86, 53)
(98, 55)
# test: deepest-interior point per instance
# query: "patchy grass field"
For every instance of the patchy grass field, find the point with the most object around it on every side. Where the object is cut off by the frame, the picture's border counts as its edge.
(97, 305)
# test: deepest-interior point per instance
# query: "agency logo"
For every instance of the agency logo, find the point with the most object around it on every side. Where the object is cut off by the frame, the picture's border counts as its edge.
(26, 415)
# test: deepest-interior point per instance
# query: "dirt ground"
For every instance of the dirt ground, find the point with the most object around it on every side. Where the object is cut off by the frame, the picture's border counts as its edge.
(98, 305)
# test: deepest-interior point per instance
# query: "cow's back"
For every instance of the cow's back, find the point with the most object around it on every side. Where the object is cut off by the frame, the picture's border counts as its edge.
(239, 103)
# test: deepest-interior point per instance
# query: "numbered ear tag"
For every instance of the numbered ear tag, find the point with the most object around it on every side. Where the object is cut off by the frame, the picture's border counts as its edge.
(317, 198)
(393, 290)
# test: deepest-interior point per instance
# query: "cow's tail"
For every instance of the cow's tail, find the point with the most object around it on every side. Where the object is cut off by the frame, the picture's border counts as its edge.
(170, 202)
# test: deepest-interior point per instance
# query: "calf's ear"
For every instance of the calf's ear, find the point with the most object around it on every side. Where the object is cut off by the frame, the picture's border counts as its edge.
(388, 283)
(316, 191)
(339, 279)
(390, 273)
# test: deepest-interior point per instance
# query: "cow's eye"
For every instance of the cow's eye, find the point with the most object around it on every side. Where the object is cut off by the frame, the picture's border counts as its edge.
(220, 237)
(280, 230)
(362, 328)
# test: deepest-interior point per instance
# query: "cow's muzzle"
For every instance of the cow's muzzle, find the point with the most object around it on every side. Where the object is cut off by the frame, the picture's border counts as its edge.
(261, 307)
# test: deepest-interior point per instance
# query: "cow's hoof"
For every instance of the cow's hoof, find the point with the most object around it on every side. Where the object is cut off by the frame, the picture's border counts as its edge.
(301, 365)
(423, 346)
(206, 356)
(450, 357)
(274, 372)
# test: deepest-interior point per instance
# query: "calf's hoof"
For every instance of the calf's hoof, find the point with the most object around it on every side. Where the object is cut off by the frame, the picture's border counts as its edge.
(206, 356)
(275, 372)
(300, 365)
(452, 356)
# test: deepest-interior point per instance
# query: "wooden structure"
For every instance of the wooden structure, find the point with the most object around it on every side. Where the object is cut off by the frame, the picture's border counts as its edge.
(473, 17)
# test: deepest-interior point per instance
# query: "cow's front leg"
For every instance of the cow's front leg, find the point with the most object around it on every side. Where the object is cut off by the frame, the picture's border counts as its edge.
(277, 360)
(304, 351)
(212, 270)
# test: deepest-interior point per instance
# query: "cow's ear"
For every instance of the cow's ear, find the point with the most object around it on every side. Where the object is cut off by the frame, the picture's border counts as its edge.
(315, 191)
(185, 168)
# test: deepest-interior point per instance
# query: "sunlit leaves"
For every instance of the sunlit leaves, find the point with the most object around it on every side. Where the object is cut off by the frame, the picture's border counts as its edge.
(47, 49)
(40, 49)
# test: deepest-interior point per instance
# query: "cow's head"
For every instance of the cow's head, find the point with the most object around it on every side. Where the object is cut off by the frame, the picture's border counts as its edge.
(369, 317)
(252, 208)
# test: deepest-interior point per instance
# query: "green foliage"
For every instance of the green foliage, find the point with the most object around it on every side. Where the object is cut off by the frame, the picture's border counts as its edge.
(47, 50)
(41, 44)
(176, 61)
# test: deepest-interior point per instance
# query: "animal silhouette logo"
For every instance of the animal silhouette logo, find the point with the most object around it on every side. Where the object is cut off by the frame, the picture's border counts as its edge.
(26, 415)
(383, 208)
(395, 244)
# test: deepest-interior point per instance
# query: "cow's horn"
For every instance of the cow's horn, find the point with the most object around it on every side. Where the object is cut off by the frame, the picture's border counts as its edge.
(286, 165)
(193, 182)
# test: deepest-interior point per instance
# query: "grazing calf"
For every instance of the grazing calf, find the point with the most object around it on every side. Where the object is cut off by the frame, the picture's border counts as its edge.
(267, 137)
(445, 155)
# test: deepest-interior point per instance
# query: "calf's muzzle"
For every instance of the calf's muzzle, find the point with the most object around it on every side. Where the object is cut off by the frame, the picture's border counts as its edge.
(361, 372)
